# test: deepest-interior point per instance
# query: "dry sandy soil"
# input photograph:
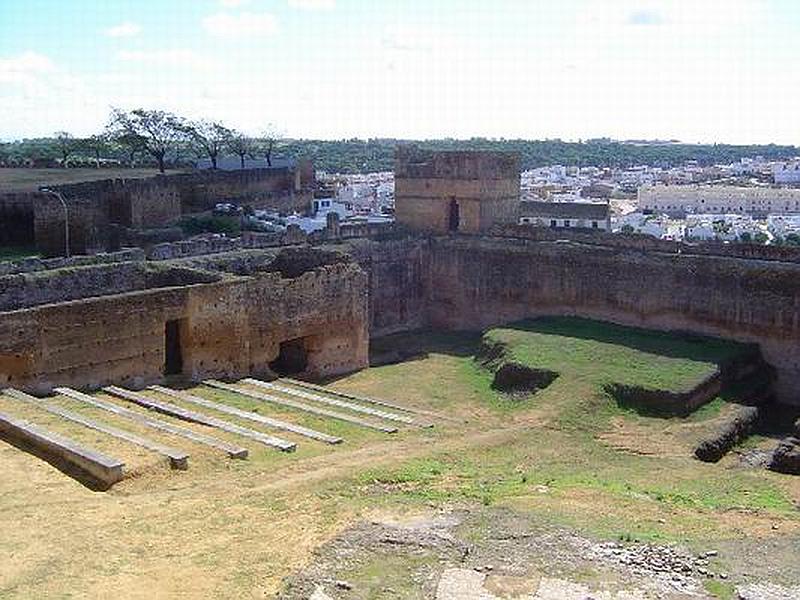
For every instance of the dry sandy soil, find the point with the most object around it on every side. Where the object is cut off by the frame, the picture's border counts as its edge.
(519, 491)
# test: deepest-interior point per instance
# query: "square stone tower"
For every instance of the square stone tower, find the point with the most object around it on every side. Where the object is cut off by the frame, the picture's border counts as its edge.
(466, 192)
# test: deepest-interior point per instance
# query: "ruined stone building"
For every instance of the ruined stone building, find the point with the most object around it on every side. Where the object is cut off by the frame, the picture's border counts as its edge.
(109, 213)
(460, 192)
(311, 307)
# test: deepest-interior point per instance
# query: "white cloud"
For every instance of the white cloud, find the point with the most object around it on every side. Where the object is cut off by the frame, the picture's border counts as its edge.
(233, 3)
(24, 68)
(126, 29)
(313, 4)
(245, 24)
(43, 97)
(176, 57)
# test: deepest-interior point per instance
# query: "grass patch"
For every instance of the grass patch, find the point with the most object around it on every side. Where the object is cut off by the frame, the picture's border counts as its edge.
(723, 590)
(603, 353)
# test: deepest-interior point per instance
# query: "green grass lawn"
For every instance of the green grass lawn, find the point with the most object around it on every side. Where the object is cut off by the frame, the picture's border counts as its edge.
(601, 353)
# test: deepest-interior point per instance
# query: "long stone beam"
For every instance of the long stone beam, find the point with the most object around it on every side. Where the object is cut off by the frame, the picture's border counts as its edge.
(366, 399)
(245, 414)
(105, 469)
(381, 414)
(332, 392)
(201, 418)
(148, 421)
(178, 459)
(299, 406)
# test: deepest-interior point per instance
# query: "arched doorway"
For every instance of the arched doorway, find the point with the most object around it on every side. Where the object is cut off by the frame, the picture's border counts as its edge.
(455, 217)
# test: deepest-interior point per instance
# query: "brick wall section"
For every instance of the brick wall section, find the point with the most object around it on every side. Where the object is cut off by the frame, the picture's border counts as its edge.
(156, 202)
(398, 283)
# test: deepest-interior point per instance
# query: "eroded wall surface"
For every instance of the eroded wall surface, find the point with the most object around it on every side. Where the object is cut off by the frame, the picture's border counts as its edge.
(230, 325)
(479, 282)
(397, 272)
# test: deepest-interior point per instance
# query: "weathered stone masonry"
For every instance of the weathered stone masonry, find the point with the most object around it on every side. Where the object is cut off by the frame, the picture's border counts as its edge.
(228, 325)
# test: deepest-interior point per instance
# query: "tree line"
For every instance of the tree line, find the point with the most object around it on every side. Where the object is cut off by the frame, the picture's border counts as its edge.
(164, 139)
(364, 156)
(147, 137)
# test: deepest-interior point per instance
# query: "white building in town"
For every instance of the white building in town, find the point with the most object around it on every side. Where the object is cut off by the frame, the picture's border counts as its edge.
(787, 173)
(557, 215)
(681, 200)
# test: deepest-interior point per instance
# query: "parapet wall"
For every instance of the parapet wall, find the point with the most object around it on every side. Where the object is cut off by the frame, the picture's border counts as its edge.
(412, 162)
(25, 290)
(647, 243)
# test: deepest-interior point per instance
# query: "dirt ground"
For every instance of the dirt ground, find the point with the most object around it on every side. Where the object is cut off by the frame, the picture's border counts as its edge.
(29, 180)
(553, 488)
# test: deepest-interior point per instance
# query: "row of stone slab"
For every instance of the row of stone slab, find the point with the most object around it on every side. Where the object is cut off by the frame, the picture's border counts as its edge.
(108, 470)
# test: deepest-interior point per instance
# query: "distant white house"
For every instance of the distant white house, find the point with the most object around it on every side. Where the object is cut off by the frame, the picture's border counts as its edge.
(720, 227)
(659, 226)
(786, 173)
(582, 215)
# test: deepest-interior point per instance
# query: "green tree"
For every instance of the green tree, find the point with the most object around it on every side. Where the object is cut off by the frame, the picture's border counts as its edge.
(156, 132)
(66, 144)
(241, 145)
(208, 137)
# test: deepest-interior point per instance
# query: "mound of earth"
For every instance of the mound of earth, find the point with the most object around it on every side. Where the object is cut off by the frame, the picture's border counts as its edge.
(514, 377)
(511, 376)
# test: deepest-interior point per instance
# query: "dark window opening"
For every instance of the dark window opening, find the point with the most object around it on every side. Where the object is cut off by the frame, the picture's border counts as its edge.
(292, 358)
(455, 217)
(553, 223)
(173, 355)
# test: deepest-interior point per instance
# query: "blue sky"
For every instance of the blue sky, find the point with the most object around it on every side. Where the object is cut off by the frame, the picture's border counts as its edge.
(696, 70)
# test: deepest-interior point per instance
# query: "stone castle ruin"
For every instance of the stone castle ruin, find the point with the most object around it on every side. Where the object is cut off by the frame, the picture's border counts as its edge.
(106, 214)
(453, 260)
(464, 192)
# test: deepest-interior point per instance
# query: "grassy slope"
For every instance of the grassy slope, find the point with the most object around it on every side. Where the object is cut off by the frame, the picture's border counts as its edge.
(600, 353)
(562, 452)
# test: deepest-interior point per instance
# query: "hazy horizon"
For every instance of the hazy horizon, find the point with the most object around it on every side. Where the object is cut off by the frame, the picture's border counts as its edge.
(708, 71)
